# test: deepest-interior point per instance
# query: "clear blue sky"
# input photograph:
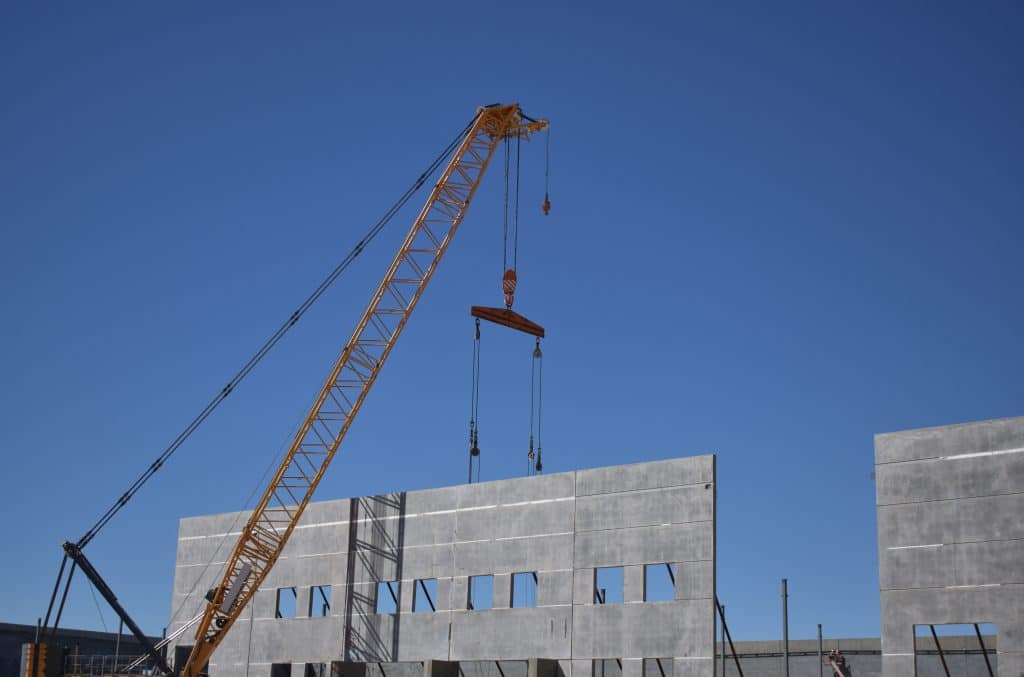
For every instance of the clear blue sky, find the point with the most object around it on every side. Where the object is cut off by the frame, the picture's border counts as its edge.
(777, 230)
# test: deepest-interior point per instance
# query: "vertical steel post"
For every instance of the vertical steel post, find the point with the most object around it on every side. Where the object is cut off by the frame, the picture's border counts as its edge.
(821, 660)
(35, 650)
(117, 644)
(785, 629)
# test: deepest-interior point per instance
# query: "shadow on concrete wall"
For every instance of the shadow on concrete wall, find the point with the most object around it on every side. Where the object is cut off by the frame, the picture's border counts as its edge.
(376, 538)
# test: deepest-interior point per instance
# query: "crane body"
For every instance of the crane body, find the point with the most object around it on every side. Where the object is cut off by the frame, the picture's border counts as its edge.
(276, 514)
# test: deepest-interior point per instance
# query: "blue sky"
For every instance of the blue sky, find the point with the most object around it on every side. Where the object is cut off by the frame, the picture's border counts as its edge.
(777, 229)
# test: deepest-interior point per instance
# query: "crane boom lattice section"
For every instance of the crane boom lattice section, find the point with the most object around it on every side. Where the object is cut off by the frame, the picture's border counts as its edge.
(320, 435)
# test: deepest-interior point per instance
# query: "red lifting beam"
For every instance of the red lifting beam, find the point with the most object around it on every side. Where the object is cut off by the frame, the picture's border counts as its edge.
(508, 318)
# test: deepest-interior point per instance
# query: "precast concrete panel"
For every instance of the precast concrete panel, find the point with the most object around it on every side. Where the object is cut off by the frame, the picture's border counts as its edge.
(951, 537)
(557, 527)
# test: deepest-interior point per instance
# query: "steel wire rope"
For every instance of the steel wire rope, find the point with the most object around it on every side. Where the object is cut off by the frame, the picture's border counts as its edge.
(540, 401)
(504, 239)
(103, 621)
(273, 340)
(474, 404)
(515, 218)
(274, 461)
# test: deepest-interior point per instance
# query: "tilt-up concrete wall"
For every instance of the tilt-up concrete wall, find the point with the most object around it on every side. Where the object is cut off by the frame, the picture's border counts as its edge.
(951, 536)
(557, 529)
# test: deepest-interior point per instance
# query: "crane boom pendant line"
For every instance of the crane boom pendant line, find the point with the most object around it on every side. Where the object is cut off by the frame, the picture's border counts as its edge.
(276, 514)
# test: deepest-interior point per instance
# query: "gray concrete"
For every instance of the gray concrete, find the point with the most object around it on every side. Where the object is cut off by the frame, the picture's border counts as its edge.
(560, 526)
(950, 509)
(863, 658)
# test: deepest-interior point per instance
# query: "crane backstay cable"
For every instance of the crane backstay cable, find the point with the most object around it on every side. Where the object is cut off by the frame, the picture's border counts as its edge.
(264, 349)
(274, 339)
(284, 500)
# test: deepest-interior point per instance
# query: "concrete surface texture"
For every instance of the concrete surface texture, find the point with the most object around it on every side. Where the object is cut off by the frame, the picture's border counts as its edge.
(863, 658)
(530, 549)
(950, 509)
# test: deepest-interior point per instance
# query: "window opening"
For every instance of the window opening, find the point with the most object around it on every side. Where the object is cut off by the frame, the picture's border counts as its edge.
(608, 667)
(316, 670)
(319, 602)
(481, 592)
(426, 593)
(524, 590)
(658, 667)
(387, 597)
(608, 585)
(285, 606)
(955, 649)
(280, 670)
(659, 582)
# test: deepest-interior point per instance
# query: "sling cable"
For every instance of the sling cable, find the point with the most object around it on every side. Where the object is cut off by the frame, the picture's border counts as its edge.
(509, 318)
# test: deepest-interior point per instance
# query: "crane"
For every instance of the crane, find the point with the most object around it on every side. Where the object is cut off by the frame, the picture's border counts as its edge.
(285, 498)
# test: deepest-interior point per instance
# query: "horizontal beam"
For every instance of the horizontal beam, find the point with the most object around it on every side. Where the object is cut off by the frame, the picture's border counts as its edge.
(507, 318)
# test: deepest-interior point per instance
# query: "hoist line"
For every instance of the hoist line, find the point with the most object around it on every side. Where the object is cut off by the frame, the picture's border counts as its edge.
(504, 237)
(274, 339)
(540, 401)
(515, 218)
(533, 370)
(547, 157)
(474, 403)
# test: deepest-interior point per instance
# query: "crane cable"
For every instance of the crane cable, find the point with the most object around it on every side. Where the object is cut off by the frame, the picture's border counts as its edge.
(274, 339)
(536, 388)
(509, 272)
(474, 408)
(546, 205)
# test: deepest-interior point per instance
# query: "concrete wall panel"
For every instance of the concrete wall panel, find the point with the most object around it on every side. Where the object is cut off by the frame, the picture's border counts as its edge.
(640, 476)
(628, 516)
(947, 478)
(950, 535)
(643, 545)
(907, 445)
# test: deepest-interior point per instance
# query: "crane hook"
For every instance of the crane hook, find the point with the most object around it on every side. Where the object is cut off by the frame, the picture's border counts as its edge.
(508, 286)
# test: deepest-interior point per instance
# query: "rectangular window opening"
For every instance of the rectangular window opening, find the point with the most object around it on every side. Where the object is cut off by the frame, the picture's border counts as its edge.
(658, 667)
(608, 585)
(481, 592)
(524, 590)
(280, 670)
(387, 597)
(608, 667)
(424, 600)
(316, 670)
(961, 646)
(285, 606)
(319, 602)
(660, 582)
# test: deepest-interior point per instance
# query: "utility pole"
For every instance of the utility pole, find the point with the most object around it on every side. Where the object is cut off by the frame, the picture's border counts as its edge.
(785, 629)
(117, 644)
(821, 664)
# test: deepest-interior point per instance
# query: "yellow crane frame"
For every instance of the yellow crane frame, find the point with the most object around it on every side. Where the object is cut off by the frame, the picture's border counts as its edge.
(317, 441)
